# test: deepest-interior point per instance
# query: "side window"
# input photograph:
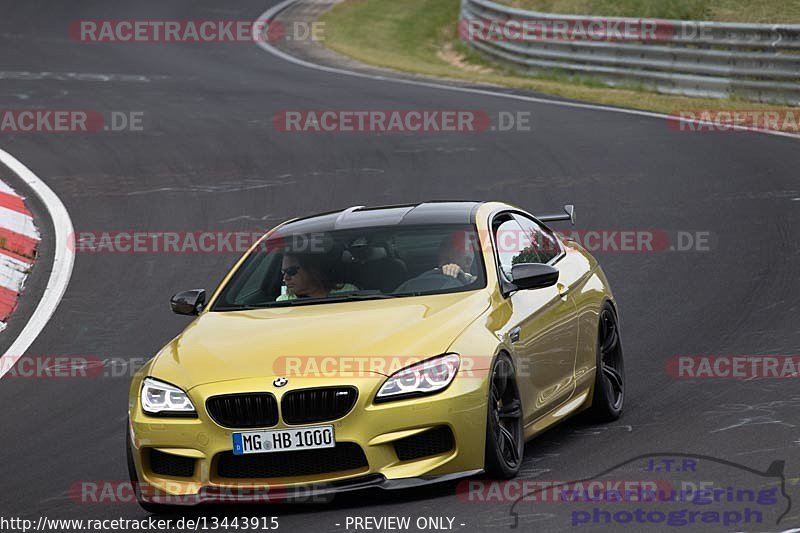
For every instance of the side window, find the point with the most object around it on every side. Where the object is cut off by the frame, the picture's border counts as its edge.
(540, 245)
(508, 243)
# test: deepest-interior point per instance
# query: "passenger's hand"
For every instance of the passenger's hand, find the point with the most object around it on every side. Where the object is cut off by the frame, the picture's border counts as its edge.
(452, 270)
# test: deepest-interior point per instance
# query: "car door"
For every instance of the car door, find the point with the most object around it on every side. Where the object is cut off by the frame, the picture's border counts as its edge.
(543, 327)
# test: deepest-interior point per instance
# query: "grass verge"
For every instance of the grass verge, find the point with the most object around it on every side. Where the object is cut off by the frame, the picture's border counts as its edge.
(421, 36)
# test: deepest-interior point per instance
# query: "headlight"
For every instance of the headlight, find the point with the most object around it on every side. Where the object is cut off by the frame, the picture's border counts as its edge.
(425, 377)
(159, 398)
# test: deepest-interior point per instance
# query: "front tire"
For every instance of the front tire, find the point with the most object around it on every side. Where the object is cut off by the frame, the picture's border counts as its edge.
(609, 381)
(504, 434)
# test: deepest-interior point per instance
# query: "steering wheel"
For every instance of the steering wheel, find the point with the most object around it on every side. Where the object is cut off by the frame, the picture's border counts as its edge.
(431, 280)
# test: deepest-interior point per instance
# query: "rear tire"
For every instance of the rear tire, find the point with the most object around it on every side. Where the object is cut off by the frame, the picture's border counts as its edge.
(504, 435)
(609, 381)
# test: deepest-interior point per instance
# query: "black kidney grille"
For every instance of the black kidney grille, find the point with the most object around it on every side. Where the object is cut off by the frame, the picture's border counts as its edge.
(307, 406)
(345, 456)
(431, 442)
(167, 464)
(251, 410)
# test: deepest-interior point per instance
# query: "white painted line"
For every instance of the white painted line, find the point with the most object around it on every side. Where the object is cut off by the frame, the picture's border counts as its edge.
(18, 223)
(272, 12)
(63, 260)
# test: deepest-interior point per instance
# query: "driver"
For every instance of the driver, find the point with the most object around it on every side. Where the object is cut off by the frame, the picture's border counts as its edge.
(456, 257)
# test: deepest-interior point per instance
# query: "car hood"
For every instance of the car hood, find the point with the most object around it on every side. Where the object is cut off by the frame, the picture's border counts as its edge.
(222, 346)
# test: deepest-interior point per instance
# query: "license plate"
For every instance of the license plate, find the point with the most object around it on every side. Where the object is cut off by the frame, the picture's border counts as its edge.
(281, 440)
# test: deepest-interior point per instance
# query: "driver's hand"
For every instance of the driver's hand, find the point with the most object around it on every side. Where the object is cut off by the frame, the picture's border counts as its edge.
(452, 270)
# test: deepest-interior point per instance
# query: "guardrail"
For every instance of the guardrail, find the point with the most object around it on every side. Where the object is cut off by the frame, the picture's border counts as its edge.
(759, 62)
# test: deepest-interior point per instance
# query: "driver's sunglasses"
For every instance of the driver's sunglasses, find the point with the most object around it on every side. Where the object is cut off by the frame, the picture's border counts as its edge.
(291, 271)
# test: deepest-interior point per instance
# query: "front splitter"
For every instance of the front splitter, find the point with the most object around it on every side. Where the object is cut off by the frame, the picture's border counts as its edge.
(312, 493)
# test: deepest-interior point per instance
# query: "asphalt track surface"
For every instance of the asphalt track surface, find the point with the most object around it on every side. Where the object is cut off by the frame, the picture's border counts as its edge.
(210, 159)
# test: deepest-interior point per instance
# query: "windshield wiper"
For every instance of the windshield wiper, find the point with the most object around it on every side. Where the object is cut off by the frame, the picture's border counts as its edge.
(344, 297)
(339, 297)
(361, 296)
(243, 307)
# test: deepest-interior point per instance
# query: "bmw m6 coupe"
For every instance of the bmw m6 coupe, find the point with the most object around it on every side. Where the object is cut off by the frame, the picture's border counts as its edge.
(376, 347)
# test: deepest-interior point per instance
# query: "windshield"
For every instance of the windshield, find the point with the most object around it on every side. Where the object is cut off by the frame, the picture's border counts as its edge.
(355, 264)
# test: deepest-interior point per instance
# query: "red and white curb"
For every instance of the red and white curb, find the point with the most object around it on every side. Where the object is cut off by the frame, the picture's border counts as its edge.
(18, 241)
(61, 269)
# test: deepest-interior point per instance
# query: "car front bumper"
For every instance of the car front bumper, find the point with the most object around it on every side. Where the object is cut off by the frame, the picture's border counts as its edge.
(375, 428)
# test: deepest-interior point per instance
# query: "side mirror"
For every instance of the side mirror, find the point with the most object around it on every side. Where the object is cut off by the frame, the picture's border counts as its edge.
(534, 275)
(188, 302)
(569, 209)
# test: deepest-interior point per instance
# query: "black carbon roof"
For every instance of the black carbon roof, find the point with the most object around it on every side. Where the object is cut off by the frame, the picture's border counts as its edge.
(427, 213)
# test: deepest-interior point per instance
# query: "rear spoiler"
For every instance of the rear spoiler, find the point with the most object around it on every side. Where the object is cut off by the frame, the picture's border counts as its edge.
(568, 214)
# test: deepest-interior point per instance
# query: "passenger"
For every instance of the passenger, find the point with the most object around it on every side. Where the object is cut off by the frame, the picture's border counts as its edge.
(309, 276)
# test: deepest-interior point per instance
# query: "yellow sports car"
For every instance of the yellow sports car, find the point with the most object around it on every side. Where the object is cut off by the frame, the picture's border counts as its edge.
(375, 347)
